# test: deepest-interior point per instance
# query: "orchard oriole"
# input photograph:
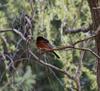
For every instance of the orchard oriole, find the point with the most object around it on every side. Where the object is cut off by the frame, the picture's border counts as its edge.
(44, 44)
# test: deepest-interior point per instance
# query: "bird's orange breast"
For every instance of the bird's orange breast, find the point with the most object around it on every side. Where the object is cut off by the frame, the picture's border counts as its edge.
(42, 45)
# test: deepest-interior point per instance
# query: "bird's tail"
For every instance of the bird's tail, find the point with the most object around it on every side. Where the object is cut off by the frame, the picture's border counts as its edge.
(56, 55)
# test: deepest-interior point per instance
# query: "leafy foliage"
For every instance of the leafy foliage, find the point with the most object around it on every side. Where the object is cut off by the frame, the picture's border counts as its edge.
(50, 18)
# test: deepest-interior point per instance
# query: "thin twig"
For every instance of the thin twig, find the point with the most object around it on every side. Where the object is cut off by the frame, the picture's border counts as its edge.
(72, 47)
(84, 39)
(62, 48)
(19, 33)
(11, 63)
(13, 30)
(5, 30)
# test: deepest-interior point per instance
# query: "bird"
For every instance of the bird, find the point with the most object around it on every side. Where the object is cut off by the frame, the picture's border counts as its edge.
(44, 44)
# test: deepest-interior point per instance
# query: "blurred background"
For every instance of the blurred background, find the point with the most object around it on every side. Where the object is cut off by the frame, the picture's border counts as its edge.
(52, 19)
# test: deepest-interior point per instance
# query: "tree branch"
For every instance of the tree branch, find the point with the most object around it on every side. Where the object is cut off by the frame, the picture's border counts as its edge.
(73, 31)
(72, 47)
(51, 66)
(61, 48)
(13, 30)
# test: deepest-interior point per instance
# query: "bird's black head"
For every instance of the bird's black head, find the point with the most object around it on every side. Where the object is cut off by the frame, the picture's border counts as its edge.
(40, 38)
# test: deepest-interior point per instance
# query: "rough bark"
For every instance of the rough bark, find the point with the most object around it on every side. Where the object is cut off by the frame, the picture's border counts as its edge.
(95, 13)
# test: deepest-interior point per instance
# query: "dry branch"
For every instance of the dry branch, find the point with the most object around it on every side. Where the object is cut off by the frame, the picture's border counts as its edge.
(51, 66)
(73, 31)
